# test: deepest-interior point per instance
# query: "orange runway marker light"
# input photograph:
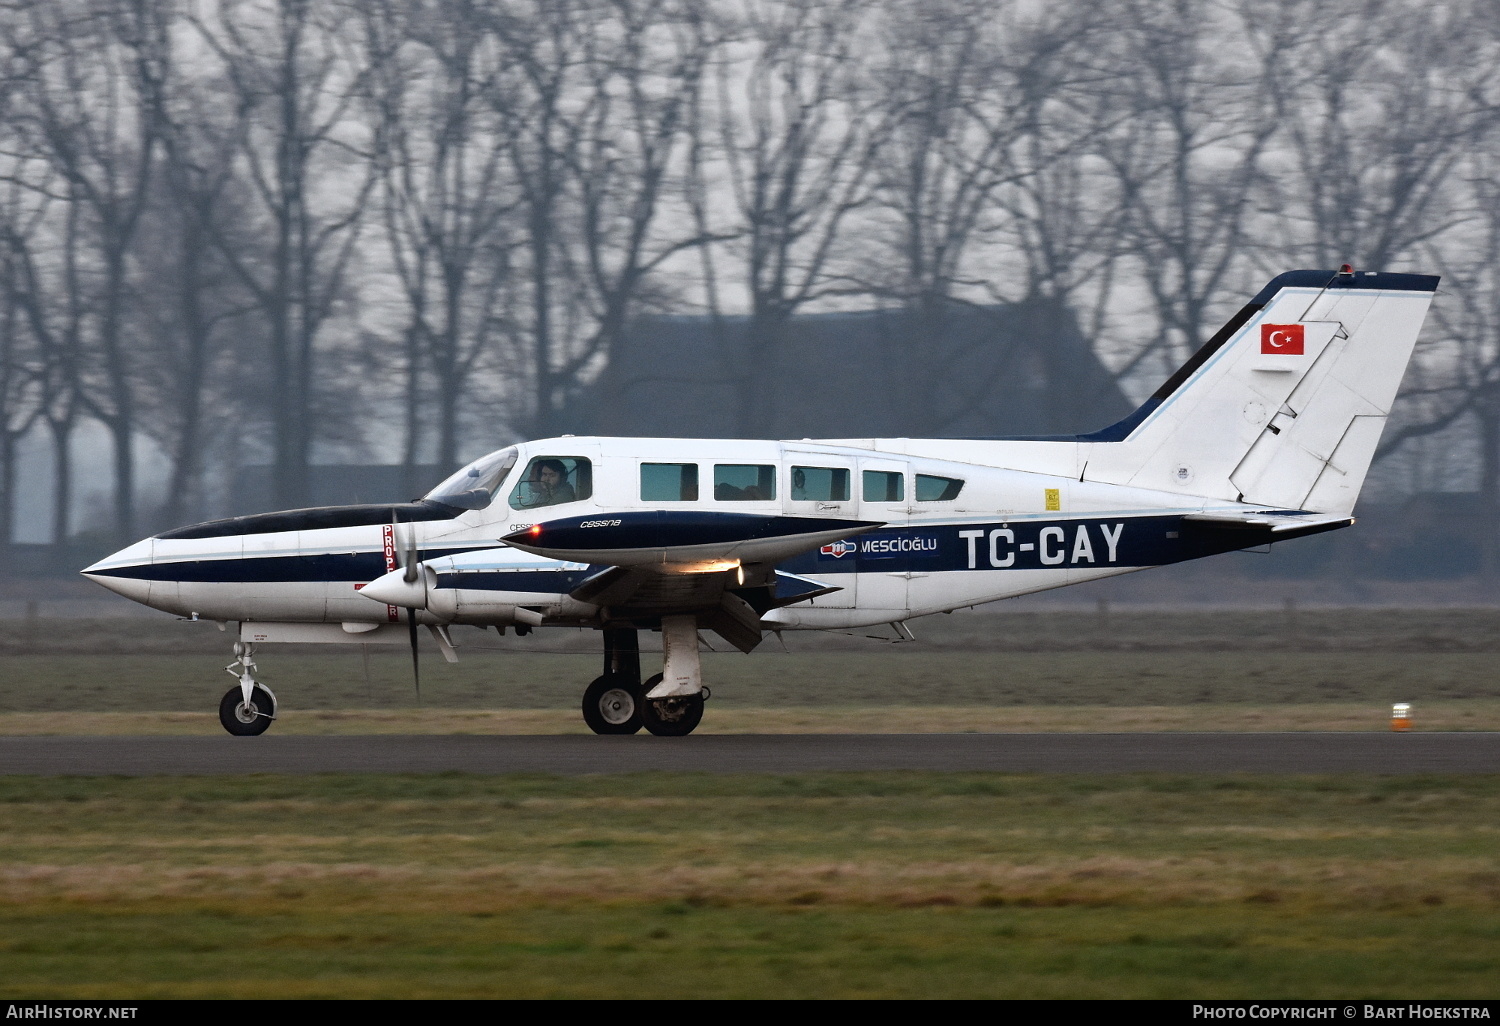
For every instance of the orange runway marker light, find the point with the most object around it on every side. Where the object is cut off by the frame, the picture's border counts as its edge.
(1401, 716)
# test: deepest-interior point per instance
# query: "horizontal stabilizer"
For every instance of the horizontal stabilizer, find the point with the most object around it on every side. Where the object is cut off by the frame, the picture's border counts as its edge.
(1281, 525)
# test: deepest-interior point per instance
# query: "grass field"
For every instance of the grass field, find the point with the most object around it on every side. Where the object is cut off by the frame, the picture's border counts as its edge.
(1172, 676)
(1313, 669)
(894, 884)
(884, 884)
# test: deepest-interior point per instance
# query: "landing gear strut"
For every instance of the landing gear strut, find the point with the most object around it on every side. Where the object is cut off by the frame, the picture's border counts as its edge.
(249, 707)
(673, 704)
(670, 704)
(612, 703)
(671, 717)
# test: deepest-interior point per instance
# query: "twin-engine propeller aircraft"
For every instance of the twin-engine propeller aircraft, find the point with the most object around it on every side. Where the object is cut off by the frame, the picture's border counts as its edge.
(1264, 435)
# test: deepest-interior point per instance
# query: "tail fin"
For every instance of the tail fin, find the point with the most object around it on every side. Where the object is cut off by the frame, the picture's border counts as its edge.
(1284, 405)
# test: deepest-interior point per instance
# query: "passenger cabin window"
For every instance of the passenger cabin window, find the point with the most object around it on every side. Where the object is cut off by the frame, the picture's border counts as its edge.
(669, 482)
(884, 486)
(744, 482)
(937, 489)
(474, 486)
(552, 481)
(820, 484)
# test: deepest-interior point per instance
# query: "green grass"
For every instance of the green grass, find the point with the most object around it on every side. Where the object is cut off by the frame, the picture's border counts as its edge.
(881, 884)
(888, 676)
(877, 884)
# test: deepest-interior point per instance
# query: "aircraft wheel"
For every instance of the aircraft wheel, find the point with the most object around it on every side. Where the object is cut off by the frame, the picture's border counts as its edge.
(670, 717)
(243, 721)
(612, 705)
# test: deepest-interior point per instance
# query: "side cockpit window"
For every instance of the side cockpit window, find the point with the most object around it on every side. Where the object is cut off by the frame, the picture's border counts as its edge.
(552, 481)
(937, 489)
(474, 486)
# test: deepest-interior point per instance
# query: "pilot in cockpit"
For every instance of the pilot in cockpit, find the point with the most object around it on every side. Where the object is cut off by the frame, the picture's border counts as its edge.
(549, 484)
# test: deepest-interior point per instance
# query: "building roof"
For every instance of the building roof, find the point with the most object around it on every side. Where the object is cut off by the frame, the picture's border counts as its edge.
(968, 371)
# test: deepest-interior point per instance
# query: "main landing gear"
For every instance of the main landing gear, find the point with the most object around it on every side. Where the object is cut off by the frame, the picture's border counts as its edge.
(249, 707)
(669, 704)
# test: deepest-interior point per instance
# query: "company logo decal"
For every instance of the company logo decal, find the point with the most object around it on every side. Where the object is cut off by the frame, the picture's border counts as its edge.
(838, 549)
(1281, 339)
(891, 546)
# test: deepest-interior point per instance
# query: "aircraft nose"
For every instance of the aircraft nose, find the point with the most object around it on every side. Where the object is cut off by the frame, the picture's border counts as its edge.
(395, 590)
(125, 572)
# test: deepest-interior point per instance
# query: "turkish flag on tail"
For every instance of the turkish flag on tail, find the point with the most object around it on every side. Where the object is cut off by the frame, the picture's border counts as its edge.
(1281, 339)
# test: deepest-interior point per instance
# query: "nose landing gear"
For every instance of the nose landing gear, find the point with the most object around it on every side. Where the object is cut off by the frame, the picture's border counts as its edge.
(249, 707)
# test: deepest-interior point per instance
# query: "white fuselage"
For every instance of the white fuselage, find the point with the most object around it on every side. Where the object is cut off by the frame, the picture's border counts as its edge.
(1007, 530)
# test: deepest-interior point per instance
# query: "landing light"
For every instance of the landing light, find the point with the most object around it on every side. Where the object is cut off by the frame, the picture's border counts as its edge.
(536, 529)
(711, 566)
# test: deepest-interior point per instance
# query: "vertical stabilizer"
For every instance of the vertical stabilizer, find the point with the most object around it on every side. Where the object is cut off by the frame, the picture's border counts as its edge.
(1285, 405)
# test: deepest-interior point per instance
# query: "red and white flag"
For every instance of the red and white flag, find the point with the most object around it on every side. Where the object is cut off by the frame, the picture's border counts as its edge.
(1281, 339)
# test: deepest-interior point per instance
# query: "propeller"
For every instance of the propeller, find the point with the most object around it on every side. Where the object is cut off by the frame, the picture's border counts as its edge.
(411, 569)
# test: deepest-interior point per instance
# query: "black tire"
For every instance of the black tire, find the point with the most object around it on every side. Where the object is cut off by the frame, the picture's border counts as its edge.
(612, 705)
(242, 722)
(670, 717)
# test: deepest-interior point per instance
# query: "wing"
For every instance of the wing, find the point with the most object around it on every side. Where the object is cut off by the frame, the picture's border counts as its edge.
(683, 540)
(717, 566)
(728, 602)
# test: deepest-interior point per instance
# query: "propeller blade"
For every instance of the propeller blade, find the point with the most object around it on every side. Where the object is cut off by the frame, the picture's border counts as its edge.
(416, 673)
(413, 564)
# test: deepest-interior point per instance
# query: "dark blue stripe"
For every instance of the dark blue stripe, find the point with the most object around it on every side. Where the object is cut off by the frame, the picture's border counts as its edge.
(319, 518)
(337, 566)
(1140, 542)
(1385, 280)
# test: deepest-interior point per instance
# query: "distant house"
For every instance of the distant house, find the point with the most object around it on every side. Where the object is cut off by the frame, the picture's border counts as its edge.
(1006, 370)
(1022, 369)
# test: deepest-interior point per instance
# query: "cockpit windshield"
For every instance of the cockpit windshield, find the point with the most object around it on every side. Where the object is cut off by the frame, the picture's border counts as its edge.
(474, 486)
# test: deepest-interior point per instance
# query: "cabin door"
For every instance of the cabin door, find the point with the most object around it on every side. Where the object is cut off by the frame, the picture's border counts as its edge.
(819, 485)
(884, 493)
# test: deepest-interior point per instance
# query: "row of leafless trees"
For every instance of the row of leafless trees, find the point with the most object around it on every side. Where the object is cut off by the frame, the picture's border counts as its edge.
(241, 227)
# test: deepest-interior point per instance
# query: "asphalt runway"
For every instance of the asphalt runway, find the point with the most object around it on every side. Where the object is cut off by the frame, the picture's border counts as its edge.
(754, 753)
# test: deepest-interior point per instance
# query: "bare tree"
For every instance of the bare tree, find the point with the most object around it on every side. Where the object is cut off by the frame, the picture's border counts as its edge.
(293, 87)
(983, 174)
(796, 140)
(1374, 111)
(93, 71)
(597, 121)
(1187, 154)
(440, 148)
(20, 405)
(43, 241)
